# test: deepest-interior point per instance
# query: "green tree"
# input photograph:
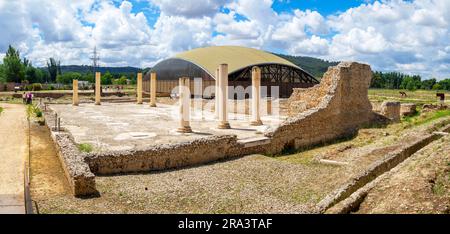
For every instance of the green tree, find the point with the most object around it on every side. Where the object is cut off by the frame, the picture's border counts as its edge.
(107, 78)
(14, 70)
(444, 84)
(54, 69)
(68, 77)
(2, 74)
(428, 84)
(121, 81)
(437, 86)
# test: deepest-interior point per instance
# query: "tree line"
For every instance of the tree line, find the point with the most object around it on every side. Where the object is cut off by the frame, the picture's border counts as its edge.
(396, 80)
(17, 70)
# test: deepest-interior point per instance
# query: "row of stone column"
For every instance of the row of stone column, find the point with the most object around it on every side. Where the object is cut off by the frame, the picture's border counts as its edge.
(221, 99)
(76, 100)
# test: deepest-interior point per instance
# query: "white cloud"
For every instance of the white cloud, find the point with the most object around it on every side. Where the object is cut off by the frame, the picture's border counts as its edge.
(312, 46)
(410, 36)
(118, 27)
(190, 9)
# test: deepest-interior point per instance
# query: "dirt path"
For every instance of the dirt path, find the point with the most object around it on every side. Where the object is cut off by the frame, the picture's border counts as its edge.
(13, 152)
(47, 175)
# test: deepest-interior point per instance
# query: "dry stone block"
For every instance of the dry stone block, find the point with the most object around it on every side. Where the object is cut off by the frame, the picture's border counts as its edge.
(391, 110)
(408, 109)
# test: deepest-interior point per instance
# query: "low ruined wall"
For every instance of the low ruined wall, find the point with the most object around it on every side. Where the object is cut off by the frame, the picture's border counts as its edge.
(339, 106)
(163, 156)
(379, 167)
(76, 170)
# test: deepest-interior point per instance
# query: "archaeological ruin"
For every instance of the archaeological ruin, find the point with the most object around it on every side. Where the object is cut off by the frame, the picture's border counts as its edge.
(137, 138)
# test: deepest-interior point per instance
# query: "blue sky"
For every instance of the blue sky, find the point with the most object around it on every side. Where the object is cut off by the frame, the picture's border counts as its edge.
(390, 35)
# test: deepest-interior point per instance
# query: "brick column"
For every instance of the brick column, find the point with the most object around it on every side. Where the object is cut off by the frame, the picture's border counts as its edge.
(185, 101)
(256, 96)
(98, 86)
(75, 99)
(139, 88)
(153, 89)
(223, 97)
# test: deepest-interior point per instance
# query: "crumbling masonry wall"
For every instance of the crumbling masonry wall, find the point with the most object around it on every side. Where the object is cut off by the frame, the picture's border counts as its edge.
(76, 170)
(335, 108)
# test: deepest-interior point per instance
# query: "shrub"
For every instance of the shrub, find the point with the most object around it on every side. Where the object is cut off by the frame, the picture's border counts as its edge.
(37, 87)
(85, 147)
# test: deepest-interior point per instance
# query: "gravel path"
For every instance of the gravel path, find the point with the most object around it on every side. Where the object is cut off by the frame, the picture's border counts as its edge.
(13, 151)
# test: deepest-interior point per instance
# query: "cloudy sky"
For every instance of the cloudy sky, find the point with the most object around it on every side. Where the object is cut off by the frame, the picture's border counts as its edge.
(409, 36)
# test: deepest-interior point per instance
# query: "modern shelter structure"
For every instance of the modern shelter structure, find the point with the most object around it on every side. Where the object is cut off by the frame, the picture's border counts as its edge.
(203, 62)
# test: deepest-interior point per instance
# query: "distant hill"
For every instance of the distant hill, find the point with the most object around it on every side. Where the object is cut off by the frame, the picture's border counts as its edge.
(85, 69)
(317, 67)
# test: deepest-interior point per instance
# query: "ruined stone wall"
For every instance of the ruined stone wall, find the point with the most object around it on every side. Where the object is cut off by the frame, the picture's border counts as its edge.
(163, 156)
(76, 170)
(340, 107)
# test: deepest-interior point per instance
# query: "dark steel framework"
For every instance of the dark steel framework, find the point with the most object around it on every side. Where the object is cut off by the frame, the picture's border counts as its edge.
(275, 73)
(285, 77)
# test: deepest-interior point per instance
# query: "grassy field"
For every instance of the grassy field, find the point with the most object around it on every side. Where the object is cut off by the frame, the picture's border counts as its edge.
(418, 96)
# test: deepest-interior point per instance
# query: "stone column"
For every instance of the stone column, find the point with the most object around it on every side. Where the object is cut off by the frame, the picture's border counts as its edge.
(216, 95)
(75, 99)
(153, 89)
(139, 88)
(185, 101)
(223, 97)
(256, 96)
(98, 87)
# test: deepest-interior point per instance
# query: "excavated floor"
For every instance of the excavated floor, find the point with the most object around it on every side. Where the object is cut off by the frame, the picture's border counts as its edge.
(122, 126)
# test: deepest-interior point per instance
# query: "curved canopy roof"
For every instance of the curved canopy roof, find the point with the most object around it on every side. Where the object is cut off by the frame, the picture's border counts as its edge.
(209, 58)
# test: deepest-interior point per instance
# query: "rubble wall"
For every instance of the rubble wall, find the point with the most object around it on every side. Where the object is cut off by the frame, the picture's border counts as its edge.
(335, 108)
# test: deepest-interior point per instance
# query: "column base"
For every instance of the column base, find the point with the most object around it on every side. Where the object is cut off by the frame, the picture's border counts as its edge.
(152, 105)
(139, 103)
(97, 103)
(256, 123)
(75, 104)
(187, 129)
(225, 125)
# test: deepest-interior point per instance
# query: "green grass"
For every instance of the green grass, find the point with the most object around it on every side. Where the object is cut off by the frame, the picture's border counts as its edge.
(418, 96)
(420, 119)
(85, 147)
(1, 109)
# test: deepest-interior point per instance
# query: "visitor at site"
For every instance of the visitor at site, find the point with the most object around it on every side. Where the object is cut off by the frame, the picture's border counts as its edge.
(29, 97)
(24, 98)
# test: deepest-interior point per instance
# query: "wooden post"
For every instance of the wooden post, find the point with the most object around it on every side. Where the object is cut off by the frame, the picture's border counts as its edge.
(75, 99)
(185, 101)
(98, 86)
(139, 88)
(256, 96)
(223, 97)
(153, 89)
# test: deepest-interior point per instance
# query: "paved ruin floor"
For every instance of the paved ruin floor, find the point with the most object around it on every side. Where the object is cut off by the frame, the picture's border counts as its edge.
(122, 126)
